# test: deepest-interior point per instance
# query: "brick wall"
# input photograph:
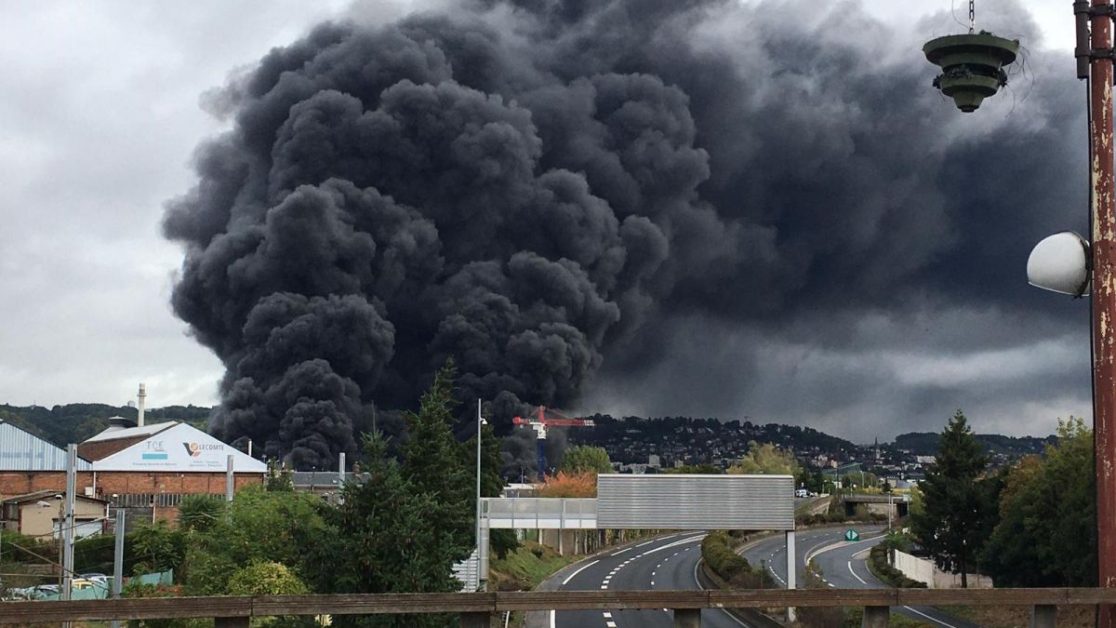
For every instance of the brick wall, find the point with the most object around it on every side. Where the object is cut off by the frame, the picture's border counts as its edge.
(122, 482)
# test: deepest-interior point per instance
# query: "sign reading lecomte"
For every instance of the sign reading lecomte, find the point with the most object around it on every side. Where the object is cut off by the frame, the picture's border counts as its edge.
(852, 535)
(179, 448)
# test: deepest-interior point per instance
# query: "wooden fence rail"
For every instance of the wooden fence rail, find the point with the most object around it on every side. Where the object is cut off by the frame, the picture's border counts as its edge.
(476, 608)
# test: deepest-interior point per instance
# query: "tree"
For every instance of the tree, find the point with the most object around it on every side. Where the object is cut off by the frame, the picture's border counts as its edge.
(265, 578)
(564, 484)
(279, 477)
(952, 525)
(766, 459)
(581, 458)
(703, 469)
(1046, 534)
(259, 526)
(434, 463)
(158, 547)
(383, 541)
(200, 512)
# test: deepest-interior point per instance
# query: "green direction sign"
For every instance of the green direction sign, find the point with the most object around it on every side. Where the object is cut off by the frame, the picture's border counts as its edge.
(852, 535)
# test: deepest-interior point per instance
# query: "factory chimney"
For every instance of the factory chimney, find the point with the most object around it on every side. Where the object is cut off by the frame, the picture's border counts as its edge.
(142, 397)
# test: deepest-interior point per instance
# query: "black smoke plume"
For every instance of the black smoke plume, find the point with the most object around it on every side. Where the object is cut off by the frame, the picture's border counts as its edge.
(539, 188)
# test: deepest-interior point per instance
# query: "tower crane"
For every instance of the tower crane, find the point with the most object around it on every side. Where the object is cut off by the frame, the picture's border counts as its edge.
(542, 420)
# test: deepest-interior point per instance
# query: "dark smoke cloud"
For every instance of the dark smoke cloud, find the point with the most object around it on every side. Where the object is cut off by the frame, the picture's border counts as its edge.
(553, 192)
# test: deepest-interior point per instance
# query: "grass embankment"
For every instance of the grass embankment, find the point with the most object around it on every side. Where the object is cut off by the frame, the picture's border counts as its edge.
(526, 567)
(523, 570)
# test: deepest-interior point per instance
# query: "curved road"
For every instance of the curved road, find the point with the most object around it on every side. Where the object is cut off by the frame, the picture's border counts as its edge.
(670, 563)
(842, 566)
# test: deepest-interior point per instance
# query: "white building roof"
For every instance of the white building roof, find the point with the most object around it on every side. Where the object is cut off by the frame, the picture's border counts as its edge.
(113, 433)
(174, 447)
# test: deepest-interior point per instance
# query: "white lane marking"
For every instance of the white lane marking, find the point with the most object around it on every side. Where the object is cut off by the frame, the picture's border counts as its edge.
(839, 545)
(936, 621)
(674, 544)
(862, 581)
(697, 565)
(809, 553)
(610, 624)
(652, 583)
(830, 584)
(579, 570)
(623, 550)
(607, 615)
(604, 586)
(647, 542)
(777, 576)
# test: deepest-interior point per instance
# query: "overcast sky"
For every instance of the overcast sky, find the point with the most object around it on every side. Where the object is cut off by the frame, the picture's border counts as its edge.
(98, 120)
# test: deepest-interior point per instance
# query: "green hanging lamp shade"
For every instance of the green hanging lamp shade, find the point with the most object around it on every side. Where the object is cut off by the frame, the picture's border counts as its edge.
(972, 66)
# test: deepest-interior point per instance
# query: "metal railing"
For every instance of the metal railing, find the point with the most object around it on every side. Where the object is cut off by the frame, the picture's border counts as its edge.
(540, 512)
(476, 609)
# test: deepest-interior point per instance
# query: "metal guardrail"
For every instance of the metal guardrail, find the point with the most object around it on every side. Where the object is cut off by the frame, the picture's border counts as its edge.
(477, 608)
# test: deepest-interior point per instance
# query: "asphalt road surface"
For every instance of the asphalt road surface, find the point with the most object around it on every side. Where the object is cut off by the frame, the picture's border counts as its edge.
(671, 562)
(665, 563)
(842, 566)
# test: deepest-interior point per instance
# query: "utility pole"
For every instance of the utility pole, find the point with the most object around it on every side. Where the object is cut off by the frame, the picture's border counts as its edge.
(118, 560)
(1094, 63)
(68, 522)
(230, 479)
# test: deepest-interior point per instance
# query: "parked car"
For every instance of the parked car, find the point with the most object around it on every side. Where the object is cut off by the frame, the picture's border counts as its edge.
(41, 591)
(802, 493)
(98, 579)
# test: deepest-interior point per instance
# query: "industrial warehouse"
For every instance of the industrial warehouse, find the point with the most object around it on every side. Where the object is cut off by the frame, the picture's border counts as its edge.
(144, 468)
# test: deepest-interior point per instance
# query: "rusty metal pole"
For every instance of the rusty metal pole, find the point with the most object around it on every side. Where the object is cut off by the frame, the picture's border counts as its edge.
(1104, 296)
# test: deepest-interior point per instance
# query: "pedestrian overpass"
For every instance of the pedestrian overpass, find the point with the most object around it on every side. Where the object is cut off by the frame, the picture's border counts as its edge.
(653, 502)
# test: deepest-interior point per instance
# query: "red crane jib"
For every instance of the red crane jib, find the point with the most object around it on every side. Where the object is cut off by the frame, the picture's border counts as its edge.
(546, 417)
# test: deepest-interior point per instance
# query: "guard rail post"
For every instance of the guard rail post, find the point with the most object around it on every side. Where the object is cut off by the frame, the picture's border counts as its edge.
(876, 617)
(1044, 616)
(476, 620)
(687, 618)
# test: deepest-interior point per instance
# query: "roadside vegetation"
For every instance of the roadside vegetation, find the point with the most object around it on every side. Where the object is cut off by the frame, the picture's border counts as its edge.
(881, 568)
(1028, 525)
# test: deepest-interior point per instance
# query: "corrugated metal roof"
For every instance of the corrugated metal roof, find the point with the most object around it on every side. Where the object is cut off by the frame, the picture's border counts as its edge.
(23, 451)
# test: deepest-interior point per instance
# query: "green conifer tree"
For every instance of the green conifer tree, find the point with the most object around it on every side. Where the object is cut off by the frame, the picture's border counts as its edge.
(434, 463)
(953, 524)
(386, 542)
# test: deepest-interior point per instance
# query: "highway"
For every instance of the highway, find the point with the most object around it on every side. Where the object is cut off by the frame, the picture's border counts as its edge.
(842, 566)
(667, 563)
(670, 563)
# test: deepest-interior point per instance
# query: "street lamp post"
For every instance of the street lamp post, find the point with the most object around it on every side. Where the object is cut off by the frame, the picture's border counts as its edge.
(480, 422)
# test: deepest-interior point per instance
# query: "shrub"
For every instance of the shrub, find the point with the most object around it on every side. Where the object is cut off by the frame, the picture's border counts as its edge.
(97, 553)
(265, 578)
(717, 552)
(878, 565)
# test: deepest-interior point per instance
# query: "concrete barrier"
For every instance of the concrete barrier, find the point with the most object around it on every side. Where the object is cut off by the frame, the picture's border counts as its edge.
(926, 572)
